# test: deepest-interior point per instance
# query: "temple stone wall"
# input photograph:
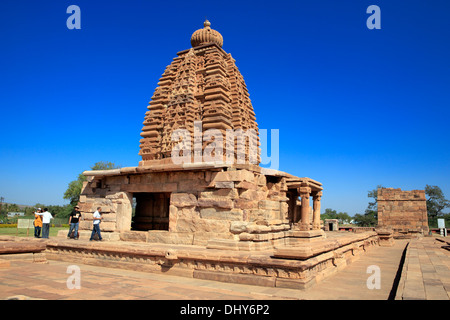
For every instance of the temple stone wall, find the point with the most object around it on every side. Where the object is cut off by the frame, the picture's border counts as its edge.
(404, 211)
(238, 205)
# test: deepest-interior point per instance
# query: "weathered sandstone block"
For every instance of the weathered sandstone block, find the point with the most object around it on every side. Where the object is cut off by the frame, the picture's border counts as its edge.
(215, 202)
(228, 193)
(235, 176)
(238, 226)
(224, 184)
(219, 214)
(183, 200)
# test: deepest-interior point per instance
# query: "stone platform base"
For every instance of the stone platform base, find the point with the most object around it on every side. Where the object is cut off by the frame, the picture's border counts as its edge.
(18, 248)
(282, 268)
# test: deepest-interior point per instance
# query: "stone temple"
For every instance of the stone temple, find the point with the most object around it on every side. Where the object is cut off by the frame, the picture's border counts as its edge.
(235, 203)
(199, 200)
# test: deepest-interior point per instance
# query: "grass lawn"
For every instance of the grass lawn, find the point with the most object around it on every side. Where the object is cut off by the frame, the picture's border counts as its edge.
(23, 232)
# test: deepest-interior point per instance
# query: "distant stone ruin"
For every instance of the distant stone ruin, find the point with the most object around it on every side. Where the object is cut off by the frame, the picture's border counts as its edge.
(403, 211)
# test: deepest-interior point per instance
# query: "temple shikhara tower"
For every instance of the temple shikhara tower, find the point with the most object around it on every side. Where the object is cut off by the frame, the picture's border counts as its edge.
(201, 84)
(205, 215)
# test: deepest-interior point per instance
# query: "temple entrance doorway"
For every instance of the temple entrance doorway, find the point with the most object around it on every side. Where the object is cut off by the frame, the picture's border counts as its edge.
(151, 212)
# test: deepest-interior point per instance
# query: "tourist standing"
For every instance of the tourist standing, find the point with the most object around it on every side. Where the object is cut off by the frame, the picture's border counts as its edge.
(96, 225)
(37, 223)
(74, 220)
(46, 217)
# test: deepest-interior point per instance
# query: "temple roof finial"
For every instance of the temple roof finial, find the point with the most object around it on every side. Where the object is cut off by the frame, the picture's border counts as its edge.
(206, 35)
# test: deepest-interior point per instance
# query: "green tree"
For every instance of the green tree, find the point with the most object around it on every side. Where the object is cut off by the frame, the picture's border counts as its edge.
(368, 219)
(436, 203)
(11, 207)
(342, 217)
(74, 189)
(370, 216)
(60, 211)
(329, 214)
(29, 211)
(373, 206)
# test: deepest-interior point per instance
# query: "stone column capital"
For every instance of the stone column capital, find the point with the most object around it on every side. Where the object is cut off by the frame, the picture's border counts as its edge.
(317, 195)
(304, 191)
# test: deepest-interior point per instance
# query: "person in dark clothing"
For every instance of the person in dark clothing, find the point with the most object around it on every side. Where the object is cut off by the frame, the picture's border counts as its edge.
(74, 220)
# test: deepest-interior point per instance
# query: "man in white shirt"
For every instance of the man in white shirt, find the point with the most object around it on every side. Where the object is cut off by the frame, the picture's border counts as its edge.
(46, 217)
(96, 225)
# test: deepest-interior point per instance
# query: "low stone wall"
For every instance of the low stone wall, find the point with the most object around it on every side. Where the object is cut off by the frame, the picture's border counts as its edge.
(17, 248)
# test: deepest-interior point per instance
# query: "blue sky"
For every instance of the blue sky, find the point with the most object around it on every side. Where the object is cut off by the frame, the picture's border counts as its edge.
(356, 108)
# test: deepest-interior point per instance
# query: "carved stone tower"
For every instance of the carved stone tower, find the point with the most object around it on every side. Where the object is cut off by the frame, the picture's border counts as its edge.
(201, 84)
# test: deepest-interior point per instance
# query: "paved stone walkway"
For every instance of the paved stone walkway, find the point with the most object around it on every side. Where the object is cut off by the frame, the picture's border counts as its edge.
(426, 272)
(49, 281)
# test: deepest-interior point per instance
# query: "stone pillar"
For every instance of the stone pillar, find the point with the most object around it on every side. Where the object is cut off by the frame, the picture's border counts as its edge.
(316, 206)
(304, 213)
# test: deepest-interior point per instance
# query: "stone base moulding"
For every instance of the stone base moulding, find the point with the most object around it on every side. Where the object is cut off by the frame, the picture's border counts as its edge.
(303, 252)
(265, 267)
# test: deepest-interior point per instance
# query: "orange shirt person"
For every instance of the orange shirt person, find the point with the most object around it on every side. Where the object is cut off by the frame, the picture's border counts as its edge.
(37, 223)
